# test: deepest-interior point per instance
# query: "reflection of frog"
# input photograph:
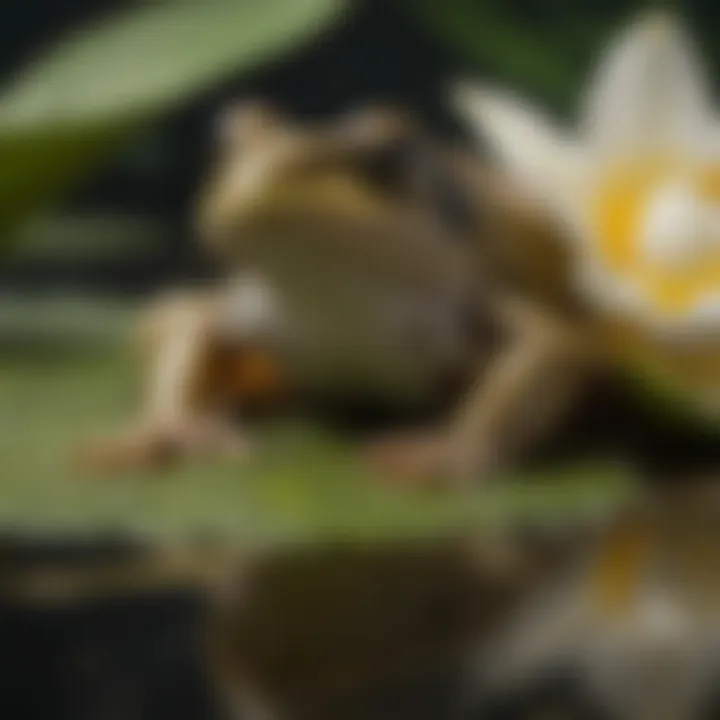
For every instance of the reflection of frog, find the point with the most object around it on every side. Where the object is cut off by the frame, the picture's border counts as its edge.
(372, 263)
(626, 610)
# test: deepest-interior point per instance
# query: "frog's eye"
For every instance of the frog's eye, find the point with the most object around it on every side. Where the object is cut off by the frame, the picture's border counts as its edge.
(393, 155)
(375, 128)
(381, 144)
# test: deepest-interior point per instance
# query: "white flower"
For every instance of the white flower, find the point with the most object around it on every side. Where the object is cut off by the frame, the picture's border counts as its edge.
(638, 182)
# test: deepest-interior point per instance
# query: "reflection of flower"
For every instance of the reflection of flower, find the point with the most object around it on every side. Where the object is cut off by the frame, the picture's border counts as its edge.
(640, 184)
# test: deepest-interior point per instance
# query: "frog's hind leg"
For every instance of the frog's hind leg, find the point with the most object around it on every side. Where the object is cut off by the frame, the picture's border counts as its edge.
(519, 398)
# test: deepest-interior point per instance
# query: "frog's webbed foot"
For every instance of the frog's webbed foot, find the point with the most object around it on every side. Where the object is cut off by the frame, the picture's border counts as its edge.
(156, 447)
(518, 399)
(429, 460)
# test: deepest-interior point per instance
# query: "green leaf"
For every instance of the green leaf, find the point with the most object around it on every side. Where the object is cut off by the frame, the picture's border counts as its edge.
(665, 395)
(305, 486)
(72, 108)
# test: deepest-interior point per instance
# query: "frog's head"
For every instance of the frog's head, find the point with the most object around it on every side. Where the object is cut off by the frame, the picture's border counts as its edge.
(358, 224)
(308, 190)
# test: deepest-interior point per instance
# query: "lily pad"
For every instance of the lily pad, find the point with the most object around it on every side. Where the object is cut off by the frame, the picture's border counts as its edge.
(305, 485)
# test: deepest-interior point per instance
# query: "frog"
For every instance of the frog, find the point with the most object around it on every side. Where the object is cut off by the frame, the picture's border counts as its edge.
(363, 259)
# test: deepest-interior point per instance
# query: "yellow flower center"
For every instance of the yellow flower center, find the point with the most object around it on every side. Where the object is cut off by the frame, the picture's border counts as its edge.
(657, 225)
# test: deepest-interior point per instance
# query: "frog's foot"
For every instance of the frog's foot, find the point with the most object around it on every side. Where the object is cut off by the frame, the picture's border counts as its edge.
(428, 460)
(155, 447)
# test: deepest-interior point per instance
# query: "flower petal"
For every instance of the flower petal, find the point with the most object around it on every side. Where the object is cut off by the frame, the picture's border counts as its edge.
(649, 93)
(549, 164)
(520, 137)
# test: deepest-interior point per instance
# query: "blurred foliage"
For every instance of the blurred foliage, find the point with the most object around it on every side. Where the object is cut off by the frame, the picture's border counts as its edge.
(72, 108)
(66, 381)
(75, 238)
(541, 47)
(490, 36)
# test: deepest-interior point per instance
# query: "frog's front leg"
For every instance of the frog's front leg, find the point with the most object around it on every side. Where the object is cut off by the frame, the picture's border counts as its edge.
(197, 371)
(519, 397)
